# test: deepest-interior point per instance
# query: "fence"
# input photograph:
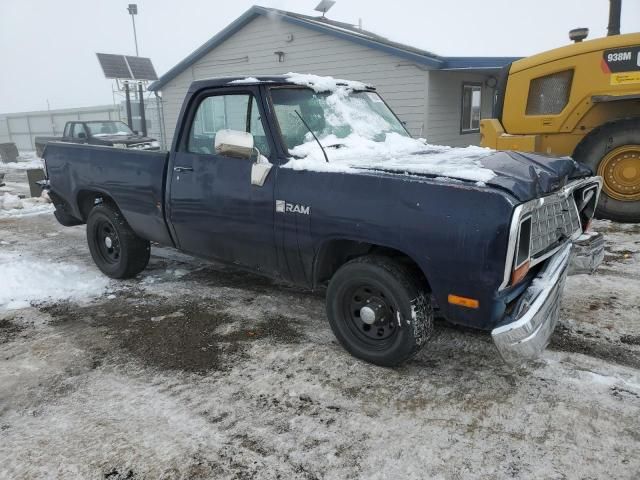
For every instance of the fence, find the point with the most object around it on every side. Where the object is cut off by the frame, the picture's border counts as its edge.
(22, 128)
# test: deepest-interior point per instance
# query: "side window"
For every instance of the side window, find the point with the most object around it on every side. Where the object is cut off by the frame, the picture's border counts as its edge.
(471, 105)
(78, 128)
(67, 130)
(233, 112)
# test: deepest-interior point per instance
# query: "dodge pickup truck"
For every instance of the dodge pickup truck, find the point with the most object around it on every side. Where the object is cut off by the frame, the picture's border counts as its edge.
(112, 133)
(315, 181)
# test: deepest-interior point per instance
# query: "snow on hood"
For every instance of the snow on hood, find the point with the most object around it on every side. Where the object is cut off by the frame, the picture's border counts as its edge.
(397, 153)
(323, 84)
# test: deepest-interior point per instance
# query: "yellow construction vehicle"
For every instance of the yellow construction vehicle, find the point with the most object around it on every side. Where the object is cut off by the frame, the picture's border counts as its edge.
(581, 100)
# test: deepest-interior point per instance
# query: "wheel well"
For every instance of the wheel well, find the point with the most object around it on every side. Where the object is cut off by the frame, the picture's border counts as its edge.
(605, 127)
(87, 199)
(335, 253)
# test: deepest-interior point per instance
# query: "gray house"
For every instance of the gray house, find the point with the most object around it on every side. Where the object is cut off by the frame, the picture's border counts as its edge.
(440, 98)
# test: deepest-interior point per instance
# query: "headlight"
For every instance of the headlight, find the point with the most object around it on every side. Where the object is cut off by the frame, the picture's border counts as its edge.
(523, 251)
(155, 144)
(120, 145)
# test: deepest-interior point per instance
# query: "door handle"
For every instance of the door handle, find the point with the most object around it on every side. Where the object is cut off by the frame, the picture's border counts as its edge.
(183, 169)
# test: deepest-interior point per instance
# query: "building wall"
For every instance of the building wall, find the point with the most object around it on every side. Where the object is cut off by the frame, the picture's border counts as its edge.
(444, 107)
(251, 52)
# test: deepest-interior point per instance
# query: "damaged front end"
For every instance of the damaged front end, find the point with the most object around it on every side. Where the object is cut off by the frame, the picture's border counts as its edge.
(548, 233)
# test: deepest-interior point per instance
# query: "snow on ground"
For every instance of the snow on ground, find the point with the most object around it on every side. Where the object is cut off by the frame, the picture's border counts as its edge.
(26, 280)
(26, 161)
(196, 370)
(13, 206)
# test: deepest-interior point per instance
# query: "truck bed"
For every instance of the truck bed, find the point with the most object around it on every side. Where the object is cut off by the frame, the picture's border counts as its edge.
(134, 179)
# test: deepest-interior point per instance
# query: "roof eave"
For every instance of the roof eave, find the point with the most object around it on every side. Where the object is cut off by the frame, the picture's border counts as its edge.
(203, 49)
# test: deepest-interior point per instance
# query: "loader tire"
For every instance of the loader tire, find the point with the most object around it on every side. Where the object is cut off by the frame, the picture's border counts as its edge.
(613, 152)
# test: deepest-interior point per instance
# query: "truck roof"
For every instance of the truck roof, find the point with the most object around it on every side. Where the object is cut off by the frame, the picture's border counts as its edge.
(285, 79)
(588, 46)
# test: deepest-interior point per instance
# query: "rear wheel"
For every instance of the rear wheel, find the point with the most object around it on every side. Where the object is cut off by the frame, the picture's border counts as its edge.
(114, 246)
(378, 310)
(613, 152)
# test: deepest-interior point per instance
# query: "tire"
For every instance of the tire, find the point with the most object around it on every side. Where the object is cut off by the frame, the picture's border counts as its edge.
(116, 249)
(597, 150)
(402, 313)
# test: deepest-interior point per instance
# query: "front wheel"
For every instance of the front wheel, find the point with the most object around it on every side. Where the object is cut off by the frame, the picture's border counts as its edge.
(378, 310)
(114, 246)
(613, 152)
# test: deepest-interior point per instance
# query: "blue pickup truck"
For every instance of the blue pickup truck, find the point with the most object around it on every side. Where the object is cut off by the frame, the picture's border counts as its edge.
(315, 181)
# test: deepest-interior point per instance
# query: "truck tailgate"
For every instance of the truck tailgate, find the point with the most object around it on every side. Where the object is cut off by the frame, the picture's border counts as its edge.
(134, 179)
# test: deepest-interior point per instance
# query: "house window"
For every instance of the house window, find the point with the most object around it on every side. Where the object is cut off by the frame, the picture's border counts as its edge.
(471, 103)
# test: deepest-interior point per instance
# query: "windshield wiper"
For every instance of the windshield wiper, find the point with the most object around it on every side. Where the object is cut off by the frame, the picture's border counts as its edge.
(314, 136)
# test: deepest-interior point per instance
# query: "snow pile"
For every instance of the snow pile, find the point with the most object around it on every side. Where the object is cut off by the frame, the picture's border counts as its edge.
(26, 279)
(375, 140)
(14, 206)
(26, 161)
(324, 84)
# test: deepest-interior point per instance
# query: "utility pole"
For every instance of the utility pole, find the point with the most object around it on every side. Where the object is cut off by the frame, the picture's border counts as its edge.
(133, 11)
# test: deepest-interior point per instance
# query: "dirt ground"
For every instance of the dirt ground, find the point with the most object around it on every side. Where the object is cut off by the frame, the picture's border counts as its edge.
(195, 370)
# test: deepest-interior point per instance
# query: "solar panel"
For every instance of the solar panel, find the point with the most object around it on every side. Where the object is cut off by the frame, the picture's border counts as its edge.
(141, 68)
(114, 66)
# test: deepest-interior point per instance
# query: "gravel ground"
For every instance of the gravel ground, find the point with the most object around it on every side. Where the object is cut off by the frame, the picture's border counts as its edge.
(196, 370)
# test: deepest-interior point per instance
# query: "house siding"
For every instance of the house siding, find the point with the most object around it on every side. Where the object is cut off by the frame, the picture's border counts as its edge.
(445, 107)
(250, 51)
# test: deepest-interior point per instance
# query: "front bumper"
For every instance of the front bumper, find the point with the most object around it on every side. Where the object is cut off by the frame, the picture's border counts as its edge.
(530, 324)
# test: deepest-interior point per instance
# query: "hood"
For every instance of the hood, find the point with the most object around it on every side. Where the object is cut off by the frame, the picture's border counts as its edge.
(528, 175)
(126, 139)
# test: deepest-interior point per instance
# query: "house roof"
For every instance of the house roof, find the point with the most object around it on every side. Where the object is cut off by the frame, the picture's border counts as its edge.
(337, 29)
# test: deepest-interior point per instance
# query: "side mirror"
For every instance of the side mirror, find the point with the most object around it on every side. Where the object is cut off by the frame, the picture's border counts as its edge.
(234, 143)
(82, 135)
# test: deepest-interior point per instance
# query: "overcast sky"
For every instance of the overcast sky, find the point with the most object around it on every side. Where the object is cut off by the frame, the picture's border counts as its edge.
(47, 47)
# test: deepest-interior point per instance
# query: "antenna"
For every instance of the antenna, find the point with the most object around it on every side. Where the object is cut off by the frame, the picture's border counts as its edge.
(324, 6)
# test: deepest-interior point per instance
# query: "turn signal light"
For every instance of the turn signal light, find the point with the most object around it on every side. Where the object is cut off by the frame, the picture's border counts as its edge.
(520, 272)
(463, 301)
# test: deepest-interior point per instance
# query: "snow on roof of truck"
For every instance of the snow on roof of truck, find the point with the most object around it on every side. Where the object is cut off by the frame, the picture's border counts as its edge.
(316, 82)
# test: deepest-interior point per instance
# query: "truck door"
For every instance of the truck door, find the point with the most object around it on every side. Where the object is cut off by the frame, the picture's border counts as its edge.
(213, 209)
(79, 133)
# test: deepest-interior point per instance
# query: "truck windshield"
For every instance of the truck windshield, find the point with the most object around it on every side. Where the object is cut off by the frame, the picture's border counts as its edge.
(336, 118)
(98, 129)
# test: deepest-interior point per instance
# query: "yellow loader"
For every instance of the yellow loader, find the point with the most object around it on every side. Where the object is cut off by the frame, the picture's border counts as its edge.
(581, 100)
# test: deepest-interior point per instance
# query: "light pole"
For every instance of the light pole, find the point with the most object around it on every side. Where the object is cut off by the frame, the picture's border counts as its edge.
(133, 11)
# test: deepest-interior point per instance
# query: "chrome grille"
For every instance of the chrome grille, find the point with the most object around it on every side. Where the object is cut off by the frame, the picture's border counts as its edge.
(556, 219)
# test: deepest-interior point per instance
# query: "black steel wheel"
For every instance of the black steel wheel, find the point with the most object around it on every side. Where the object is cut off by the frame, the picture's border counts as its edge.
(378, 310)
(114, 246)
